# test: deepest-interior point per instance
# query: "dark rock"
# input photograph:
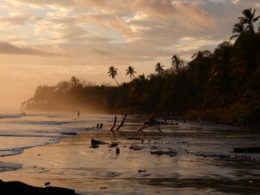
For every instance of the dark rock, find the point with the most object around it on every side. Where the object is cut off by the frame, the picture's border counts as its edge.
(16, 187)
(96, 143)
(153, 147)
(141, 170)
(135, 147)
(47, 183)
(247, 150)
(113, 145)
(159, 152)
(133, 138)
(68, 133)
(117, 151)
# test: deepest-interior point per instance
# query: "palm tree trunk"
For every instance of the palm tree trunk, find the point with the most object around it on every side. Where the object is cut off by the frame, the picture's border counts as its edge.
(116, 82)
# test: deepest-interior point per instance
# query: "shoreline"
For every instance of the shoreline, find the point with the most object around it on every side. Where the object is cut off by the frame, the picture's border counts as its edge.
(73, 164)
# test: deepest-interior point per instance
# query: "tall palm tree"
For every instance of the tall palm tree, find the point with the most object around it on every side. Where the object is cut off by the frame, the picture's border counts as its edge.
(248, 19)
(238, 29)
(177, 62)
(159, 68)
(112, 72)
(131, 72)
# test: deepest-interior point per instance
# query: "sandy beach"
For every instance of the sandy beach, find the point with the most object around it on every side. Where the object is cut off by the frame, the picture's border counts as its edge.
(184, 159)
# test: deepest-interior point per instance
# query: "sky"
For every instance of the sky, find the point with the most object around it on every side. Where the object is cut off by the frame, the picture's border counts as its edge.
(46, 41)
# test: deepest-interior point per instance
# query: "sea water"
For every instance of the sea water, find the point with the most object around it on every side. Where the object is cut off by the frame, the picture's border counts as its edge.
(19, 132)
(203, 155)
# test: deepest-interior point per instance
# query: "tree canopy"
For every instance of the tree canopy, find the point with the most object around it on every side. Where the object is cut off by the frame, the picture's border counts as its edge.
(222, 85)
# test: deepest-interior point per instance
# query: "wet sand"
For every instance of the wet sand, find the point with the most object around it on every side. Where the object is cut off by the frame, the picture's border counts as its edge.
(167, 163)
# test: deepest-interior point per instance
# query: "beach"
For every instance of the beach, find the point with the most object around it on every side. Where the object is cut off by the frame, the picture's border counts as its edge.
(188, 158)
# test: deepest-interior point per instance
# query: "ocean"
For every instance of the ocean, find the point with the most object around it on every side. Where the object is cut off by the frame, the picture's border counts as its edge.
(196, 153)
(19, 132)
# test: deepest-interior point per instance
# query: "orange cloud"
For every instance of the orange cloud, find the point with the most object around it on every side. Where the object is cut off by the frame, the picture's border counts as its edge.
(109, 21)
(189, 14)
(7, 48)
(161, 8)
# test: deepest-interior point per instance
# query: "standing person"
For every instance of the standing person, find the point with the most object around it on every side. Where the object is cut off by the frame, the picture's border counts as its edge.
(78, 114)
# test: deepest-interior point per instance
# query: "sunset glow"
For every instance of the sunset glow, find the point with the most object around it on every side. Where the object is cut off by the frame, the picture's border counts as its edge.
(46, 41)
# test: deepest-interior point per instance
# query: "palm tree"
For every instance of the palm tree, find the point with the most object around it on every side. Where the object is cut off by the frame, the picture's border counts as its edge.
(201, 54)
(248, 19)
(238, 29)
(112, 72)
(177, 62)
(159, 68)
(130, 71)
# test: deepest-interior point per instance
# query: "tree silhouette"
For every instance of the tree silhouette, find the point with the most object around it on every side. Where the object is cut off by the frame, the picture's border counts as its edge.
(201, 54)
(159, 68)
(238, 29)
(176, 62)
(130, 71)
(248, 19)
(74, 81)
(112, 72)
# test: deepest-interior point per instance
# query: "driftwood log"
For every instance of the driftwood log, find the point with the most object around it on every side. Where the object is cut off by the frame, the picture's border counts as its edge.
(122, 122)
(119, 126)
(151, 122)
(113, 126)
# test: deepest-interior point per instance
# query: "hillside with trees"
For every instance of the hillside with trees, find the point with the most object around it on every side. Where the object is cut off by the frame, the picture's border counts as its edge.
(221, 86)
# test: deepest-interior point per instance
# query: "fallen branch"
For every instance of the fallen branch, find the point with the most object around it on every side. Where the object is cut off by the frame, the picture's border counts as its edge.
(151, 122)
(122, 122)
(112, 128)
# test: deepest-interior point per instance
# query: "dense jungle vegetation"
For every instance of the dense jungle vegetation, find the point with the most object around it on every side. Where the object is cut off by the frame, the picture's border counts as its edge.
(221, 86)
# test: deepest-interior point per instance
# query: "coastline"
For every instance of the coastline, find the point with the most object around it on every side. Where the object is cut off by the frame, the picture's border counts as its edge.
(73, 164)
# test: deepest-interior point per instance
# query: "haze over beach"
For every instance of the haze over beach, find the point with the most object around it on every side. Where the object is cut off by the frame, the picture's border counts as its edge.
(129, 97)
(44, 42)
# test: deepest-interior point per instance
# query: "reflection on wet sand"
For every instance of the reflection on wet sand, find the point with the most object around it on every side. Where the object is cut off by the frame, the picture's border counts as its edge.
(181, 160)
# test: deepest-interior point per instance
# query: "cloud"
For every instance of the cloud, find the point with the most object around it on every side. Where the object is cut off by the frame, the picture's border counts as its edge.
(13, 21)
(189, 14)
(117, 6)
(102, 52)
(118, 26)
(64, 3)
(161, 8)
(7, 48)
(108, 21)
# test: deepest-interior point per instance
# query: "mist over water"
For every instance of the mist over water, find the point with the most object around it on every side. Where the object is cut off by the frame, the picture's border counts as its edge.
(19, 132)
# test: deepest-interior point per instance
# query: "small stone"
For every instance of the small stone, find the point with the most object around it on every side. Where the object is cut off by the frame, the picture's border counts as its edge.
(47, 183)
(141, 170)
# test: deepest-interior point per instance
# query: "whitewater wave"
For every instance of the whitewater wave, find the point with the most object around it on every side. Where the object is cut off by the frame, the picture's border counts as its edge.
(19, 132)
